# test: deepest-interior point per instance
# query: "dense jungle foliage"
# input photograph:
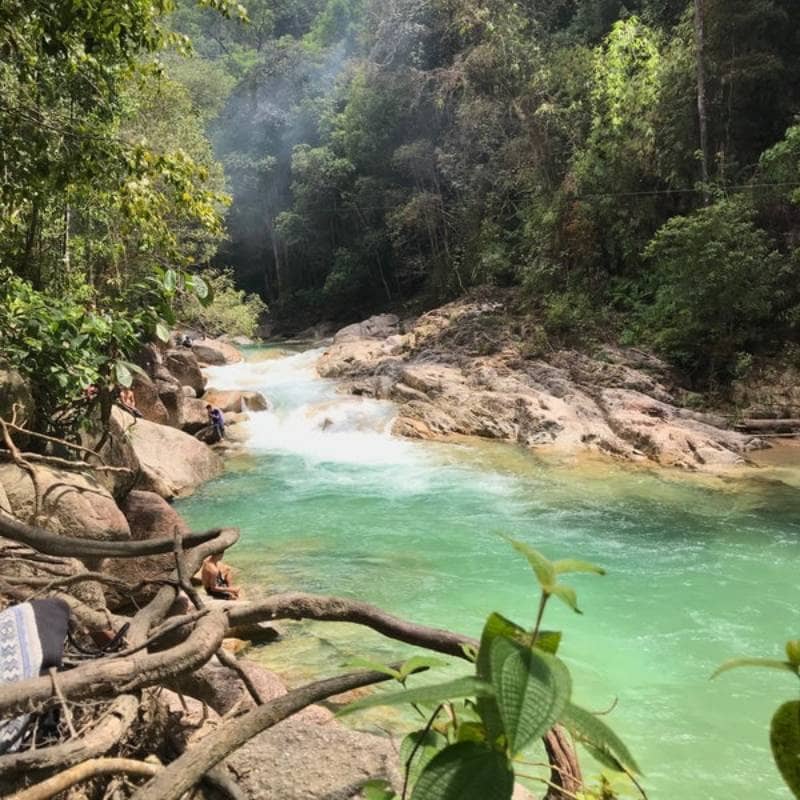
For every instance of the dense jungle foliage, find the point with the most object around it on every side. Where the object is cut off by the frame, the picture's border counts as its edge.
(382, 151)
(632, 167)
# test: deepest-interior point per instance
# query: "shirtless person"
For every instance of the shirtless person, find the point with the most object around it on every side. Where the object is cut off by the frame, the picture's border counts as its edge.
(216, 578)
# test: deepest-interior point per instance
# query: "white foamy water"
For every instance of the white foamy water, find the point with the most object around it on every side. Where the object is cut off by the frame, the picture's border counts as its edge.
(308, 418)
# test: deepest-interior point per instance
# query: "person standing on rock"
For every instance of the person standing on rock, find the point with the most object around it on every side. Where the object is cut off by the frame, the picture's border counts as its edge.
(217, 421)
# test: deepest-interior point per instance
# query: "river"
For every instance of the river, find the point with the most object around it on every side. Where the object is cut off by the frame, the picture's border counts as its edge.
(698, 570)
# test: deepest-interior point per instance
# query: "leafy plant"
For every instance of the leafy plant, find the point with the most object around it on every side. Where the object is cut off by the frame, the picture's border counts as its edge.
(519, 691)
(784, 733)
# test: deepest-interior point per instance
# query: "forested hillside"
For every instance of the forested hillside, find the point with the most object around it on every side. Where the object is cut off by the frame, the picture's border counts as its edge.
(632, 167)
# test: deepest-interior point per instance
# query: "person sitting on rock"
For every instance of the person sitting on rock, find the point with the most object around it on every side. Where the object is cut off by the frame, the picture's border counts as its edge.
(216, 578)
(217, 420)
(127, 401)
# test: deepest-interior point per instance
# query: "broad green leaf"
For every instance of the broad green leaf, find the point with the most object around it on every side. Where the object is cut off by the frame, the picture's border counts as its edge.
(417, 749)
(374, 666)
(170, 280)
(565, 565)
(766, 663)
(162, 332)
(378, 789)
(592, 732)
(532, 690)
(567, 595)
(466, 771)
(496, 627)
(542, 567)
(468, 686)
(200, 287)
(122, 374)
(784, 737)
(418, 664)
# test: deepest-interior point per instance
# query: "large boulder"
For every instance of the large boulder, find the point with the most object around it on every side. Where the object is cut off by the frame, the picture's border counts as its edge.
(182, 364)
(195, 416)
(236, 401)
(147, 400)
(378, 327)
(170, 393)
(15, 392)
(173, 463)
(149, 517)
(215, 353)
(116, 451)
(71, 503)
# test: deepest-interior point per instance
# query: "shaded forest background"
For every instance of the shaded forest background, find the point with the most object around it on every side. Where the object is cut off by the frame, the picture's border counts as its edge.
(343, 157)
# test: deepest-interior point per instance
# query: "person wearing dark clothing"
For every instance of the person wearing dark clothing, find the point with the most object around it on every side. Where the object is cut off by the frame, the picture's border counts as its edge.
(217, 420)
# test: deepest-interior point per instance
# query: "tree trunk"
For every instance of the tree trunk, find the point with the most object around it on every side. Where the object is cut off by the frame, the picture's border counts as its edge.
(702, 110)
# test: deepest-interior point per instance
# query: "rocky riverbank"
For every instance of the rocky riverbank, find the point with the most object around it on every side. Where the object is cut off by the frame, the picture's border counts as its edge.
(472, 368)
(151, 461)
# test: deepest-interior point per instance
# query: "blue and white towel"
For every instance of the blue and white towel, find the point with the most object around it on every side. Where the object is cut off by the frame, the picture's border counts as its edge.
(31, 641)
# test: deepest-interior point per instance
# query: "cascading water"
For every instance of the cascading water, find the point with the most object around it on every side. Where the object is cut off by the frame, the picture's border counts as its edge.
(328, 501)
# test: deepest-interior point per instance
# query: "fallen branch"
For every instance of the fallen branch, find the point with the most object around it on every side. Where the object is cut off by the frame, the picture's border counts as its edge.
(84, 772)
(55, 544)
(186, 771)
(338, 609)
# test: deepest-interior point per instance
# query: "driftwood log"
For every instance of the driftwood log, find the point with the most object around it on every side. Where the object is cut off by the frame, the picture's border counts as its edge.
(119, 678)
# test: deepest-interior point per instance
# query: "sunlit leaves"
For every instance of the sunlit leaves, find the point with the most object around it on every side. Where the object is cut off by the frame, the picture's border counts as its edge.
(547, 572)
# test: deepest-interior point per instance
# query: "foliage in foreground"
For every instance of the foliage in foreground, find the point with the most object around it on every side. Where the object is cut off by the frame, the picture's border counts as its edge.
(784, 733)
(476, 738)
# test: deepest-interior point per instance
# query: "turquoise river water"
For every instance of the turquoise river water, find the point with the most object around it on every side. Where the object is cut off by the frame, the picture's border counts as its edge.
(698, 570)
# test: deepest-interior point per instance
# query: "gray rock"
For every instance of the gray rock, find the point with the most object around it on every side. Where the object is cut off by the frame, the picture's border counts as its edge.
(183, 366)
(213, 352)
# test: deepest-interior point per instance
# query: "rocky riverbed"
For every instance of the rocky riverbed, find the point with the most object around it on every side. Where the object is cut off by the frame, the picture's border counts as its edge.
(470, 368)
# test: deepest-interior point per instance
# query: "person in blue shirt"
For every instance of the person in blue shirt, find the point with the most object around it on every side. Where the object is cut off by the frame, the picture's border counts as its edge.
(217, 420)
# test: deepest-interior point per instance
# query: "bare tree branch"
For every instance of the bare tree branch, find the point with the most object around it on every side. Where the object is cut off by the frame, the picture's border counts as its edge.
(187, 770)
(84, 772)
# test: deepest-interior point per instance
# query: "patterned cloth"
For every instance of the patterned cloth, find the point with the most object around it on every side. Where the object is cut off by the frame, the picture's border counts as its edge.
(20, 658)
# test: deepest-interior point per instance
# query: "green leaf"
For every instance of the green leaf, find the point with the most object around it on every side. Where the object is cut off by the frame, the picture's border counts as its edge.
(549, 641)
(793, 651)
(135, 369)
(122, 374)
(424, 745)
(565, 565)
(200, 287)
(419, 664)
(466, 771)
(170, 280)
(595, 735)
(542, 567)
(471, 732)
(532, 691)
(162, 332)
(468, 686)
(567, 595)
(496, 627)
(765, 663)
(377, 789)
(784, 737)
(374, 666)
